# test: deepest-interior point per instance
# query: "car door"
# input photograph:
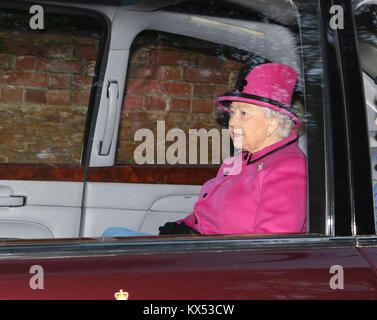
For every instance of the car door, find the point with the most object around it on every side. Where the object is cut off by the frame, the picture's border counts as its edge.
(324, 263)
(50, 62)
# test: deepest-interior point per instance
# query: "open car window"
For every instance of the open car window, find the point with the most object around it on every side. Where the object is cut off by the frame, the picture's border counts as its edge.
(145, 131)
(172, 138)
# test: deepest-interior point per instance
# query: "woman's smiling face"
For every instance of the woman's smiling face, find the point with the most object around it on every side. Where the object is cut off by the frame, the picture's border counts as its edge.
(249, 127)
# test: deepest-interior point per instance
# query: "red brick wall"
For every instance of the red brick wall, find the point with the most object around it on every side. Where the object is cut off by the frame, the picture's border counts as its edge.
(45, 83)
(175, 85)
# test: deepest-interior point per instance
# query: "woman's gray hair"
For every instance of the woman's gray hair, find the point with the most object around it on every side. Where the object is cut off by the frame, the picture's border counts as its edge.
(285, 122)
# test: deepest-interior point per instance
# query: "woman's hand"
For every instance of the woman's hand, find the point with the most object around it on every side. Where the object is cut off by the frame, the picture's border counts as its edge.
(176, 228)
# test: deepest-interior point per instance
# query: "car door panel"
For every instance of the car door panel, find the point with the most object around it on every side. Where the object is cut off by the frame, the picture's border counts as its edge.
(367, 247)
(24, 230)
(52, 207)
(257, 273)
(168, 208)
(63, 202)
(371, 256)
(48, 193)
(134, 205)
(140, 198)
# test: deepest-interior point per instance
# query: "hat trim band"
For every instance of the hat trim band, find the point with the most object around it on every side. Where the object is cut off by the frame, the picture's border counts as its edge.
(269, 101)
(259, 98)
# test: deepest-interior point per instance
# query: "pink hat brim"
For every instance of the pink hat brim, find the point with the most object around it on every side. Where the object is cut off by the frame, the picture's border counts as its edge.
(259, 103)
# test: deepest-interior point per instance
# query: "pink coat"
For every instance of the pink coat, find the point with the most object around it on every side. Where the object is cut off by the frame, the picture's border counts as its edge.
(267, 196)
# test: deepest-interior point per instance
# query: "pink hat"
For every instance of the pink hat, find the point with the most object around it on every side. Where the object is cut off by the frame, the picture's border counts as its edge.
(268, 85)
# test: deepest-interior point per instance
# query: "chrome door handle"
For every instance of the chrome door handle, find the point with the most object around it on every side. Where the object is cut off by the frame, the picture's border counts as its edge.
(12, 201)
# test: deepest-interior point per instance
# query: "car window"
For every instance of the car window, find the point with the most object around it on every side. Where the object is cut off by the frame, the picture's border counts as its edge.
(174, 77)
(366, 23)
(46, 79)
(172, 83)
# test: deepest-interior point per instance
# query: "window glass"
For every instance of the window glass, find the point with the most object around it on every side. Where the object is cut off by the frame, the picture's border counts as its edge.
(174, 77)
(366, 23)
(172, 83)
(46, 76)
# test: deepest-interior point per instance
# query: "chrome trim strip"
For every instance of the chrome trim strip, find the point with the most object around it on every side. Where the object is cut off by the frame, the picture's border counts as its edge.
(22, 249)
(366, 241)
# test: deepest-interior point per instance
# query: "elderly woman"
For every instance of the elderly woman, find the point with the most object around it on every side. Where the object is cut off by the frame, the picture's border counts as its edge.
(265, 191)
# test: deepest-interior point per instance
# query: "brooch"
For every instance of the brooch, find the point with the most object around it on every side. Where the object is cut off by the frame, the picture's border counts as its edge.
(260, 166)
